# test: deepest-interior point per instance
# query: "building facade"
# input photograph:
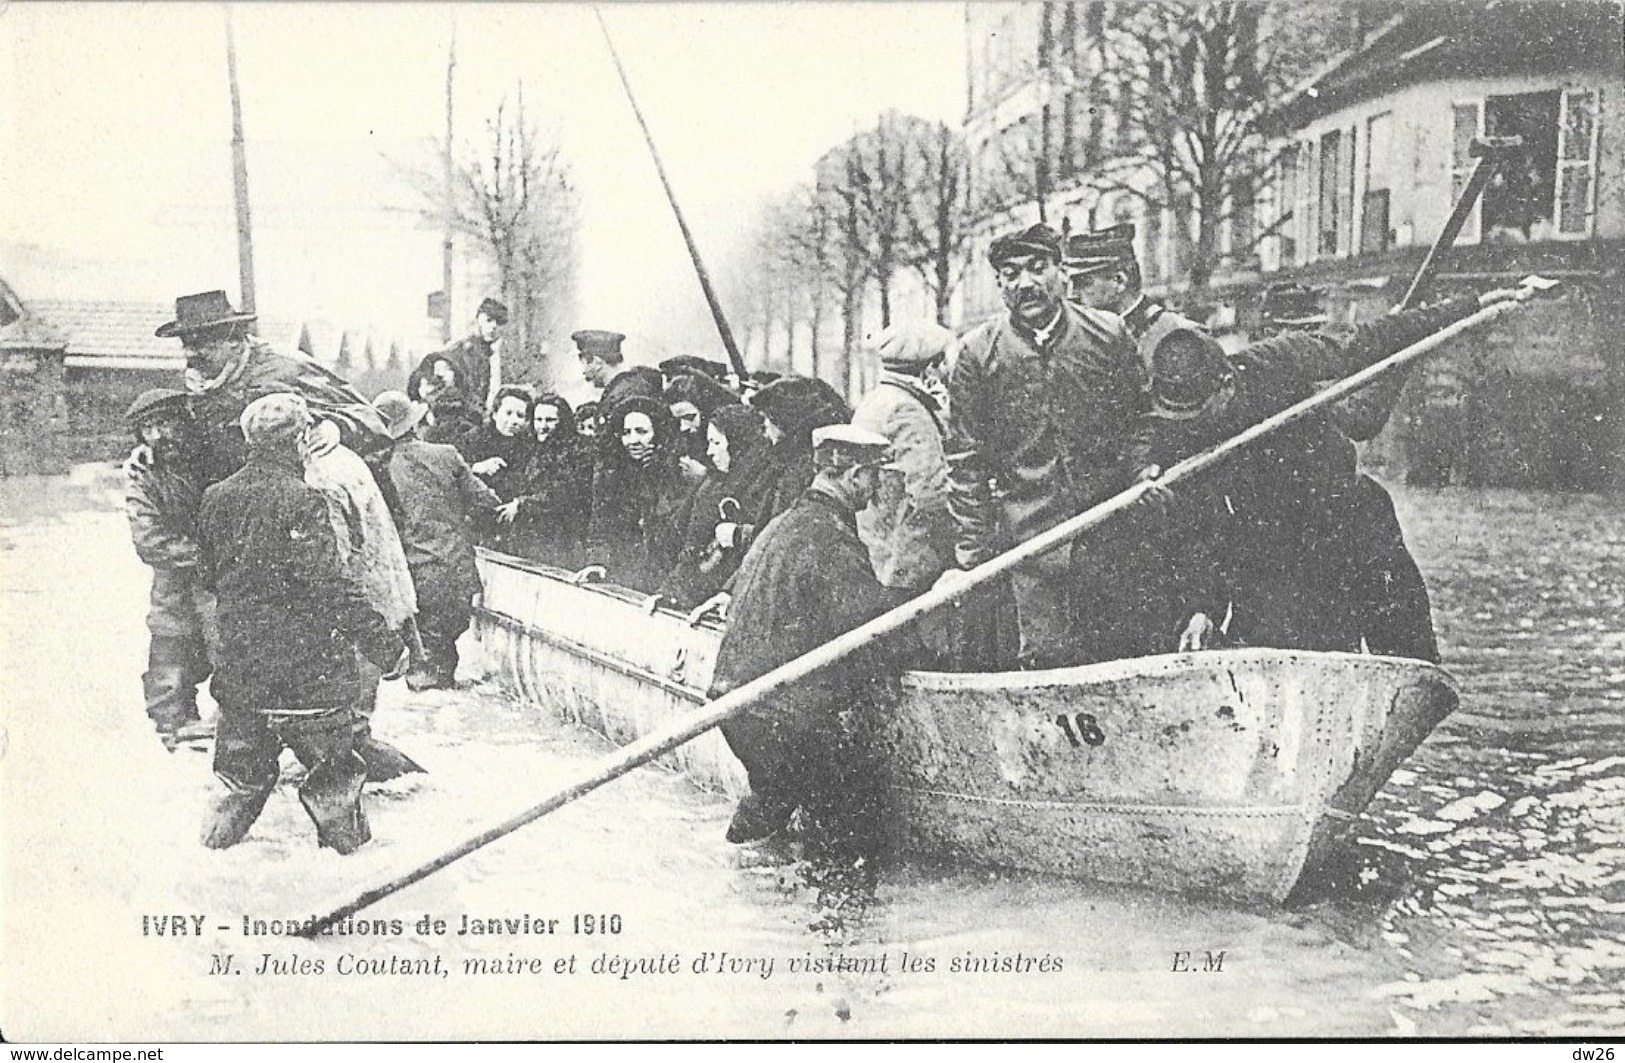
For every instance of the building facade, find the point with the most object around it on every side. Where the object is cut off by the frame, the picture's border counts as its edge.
(1361, 161)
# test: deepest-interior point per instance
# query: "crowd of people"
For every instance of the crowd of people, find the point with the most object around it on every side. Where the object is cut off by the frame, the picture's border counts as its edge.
(308, 543)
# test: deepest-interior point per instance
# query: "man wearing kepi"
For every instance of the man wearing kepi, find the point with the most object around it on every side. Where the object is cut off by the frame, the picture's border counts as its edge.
(1041, 403)
(290, 625)
(807, 580)
(161, 499)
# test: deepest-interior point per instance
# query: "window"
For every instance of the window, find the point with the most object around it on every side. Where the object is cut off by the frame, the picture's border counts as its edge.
(1330, 204)
(1518, 201)
(1287, 201)
(1308, 182)
(1576, 163)
(1549, 190)
(1376, 232)
(1466, 120)
(1242, 226)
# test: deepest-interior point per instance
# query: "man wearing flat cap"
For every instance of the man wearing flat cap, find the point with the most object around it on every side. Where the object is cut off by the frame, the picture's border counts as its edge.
(908, 529)
(291, 623)
(471, 357)
(806, 580)
(1041, 404)
(161, 500)
(228, 367)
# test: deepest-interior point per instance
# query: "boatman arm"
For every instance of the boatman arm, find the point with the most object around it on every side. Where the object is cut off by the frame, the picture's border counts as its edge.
(1362, 415)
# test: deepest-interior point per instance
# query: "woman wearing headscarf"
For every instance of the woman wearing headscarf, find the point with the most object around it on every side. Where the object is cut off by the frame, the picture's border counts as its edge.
(639, 492)
(692, 398)
(499, 454)
(736, 449)
(791, 408)
(550, 513)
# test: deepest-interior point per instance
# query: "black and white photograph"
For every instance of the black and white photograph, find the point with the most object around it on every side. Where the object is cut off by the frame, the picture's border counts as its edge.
(812, 521)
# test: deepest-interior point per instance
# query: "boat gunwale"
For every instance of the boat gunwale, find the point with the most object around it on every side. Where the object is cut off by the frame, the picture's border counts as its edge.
(1152, 666)
(1156, 666)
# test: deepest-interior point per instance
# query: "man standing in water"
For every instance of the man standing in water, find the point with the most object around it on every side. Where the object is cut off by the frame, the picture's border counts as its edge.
(290, 625)
(807, 580)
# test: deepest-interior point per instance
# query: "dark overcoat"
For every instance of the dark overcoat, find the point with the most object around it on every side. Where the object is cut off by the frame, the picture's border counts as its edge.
(806, 580)
(1036, 434)
(290, 621)
(439, 496)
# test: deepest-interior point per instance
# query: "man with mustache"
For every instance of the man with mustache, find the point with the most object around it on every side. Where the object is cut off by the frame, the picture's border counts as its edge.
(1041, 403)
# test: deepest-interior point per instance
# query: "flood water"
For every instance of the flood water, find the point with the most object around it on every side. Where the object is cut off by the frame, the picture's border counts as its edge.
(1484, 897)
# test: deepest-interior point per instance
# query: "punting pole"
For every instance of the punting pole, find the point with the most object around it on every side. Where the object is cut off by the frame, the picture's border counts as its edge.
(734, 357)
(653, 745)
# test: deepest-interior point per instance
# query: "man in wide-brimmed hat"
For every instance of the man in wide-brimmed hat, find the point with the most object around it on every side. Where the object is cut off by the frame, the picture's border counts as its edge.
(227, 367)
(1041, 403)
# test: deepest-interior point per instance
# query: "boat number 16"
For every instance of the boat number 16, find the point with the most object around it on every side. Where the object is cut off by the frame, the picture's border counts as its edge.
(1081, 729)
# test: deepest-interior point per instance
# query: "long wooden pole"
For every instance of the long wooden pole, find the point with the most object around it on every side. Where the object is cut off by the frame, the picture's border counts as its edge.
(448, 222)
(239, 175)
(653, 745)
(734, 357)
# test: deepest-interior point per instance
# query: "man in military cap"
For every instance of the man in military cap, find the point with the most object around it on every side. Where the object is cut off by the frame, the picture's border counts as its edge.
(1041, 403)
(806, 580)
(227, 367)
(161, 500)
(471, 357)
(604, 366)
(291, 622)
(1105, 274)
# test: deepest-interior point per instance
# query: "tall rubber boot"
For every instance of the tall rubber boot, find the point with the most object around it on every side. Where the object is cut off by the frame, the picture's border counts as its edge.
(331, 794)
(382, 761)
(233, 813)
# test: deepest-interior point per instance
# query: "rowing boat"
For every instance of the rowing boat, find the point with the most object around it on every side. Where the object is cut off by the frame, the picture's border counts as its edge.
(1229, 773)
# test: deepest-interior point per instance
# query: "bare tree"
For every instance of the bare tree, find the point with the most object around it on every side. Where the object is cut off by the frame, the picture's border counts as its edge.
(1195, 88)
(940, 212)
(515, 199)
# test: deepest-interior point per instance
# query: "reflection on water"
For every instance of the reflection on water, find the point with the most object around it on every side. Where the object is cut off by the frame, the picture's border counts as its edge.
(1485, 895)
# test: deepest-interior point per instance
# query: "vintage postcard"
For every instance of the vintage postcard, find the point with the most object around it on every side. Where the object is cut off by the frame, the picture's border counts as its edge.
(1138, 486)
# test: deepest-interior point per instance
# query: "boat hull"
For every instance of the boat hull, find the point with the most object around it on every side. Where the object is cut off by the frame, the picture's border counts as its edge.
(1228, 773)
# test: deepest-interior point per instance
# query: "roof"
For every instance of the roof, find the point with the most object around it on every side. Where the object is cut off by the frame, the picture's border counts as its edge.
(21, 329)
(1461, 39)
(107, 334)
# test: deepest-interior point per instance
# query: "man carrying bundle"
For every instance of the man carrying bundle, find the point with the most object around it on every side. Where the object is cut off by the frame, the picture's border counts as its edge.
(291, 623)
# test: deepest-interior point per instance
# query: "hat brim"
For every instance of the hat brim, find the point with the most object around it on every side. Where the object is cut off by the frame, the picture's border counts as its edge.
(172, 329)
(413, 418)
(1088, 267)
